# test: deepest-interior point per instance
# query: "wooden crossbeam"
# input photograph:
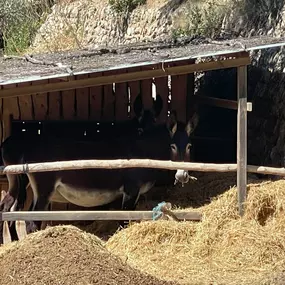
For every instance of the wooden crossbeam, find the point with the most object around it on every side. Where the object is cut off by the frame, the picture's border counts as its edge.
(222, 103)
(92, 215)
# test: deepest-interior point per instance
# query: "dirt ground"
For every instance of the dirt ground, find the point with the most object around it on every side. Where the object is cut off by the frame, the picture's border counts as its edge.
(66, 255)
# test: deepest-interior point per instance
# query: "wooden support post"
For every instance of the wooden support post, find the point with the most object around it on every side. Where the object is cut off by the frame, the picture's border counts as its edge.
(242, 137)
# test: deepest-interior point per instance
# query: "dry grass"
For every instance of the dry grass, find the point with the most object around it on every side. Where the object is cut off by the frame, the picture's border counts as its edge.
(223, 249)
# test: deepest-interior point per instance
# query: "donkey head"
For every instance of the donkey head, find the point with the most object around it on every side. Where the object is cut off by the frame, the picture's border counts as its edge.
(180, 134)
(146, 118)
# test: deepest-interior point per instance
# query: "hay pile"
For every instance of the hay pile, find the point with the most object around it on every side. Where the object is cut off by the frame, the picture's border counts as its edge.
(194, 194)
(65, 255)
(223, 249)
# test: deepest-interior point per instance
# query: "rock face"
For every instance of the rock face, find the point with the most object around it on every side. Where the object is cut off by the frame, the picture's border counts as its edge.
(257, 17)
(93, 24)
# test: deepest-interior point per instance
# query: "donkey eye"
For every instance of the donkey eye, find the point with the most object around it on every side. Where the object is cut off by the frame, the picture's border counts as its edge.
(173, 147)
(188, 146)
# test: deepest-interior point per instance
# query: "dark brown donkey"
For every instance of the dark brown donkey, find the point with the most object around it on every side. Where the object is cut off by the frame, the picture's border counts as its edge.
(13, 148)
(94, 187)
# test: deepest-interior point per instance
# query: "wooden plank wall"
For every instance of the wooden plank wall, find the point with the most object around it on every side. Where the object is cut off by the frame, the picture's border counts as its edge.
(182, 89)
(100, 103)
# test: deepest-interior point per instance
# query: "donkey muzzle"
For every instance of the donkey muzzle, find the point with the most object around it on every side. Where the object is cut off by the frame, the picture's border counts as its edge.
(182, 176)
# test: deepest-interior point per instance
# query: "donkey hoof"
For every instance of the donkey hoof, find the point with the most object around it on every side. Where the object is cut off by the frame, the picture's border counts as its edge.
(6, 203)
(31, 227)
(123, 224)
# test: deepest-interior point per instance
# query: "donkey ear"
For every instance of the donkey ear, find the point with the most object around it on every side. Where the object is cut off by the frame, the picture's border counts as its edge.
(192, 124)
(138, 107)
(172, 123)
(157, 105)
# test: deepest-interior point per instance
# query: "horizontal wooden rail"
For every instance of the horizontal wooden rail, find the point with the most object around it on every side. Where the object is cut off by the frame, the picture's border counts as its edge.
(158, 70)
(133, 163)
(217, 102)
(91, 215)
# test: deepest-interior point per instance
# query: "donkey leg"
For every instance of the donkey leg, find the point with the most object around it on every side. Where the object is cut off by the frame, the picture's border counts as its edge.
(30, 225)
(12, 224)
(43, 186)
(41, 205)
(22, 181)
(130, 196)
(12, 194)
(130, 199)
(13, 231)
(22, 196)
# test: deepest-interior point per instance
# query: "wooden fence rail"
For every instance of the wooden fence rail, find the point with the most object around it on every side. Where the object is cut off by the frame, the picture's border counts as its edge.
(134, 163)
(92, 215)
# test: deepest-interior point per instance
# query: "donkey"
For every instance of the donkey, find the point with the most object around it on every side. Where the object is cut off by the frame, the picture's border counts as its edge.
(13, 147)
(95, 187)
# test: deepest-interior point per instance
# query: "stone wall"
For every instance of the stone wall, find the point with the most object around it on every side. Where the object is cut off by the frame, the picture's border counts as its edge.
(256, 17)
(91, 24)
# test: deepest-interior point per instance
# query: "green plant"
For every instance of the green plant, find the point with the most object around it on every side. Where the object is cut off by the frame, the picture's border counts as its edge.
(202, 18)
(125, 6)
(20, 20)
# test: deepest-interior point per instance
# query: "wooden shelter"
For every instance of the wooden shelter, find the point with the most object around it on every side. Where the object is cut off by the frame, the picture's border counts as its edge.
(70, 93)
